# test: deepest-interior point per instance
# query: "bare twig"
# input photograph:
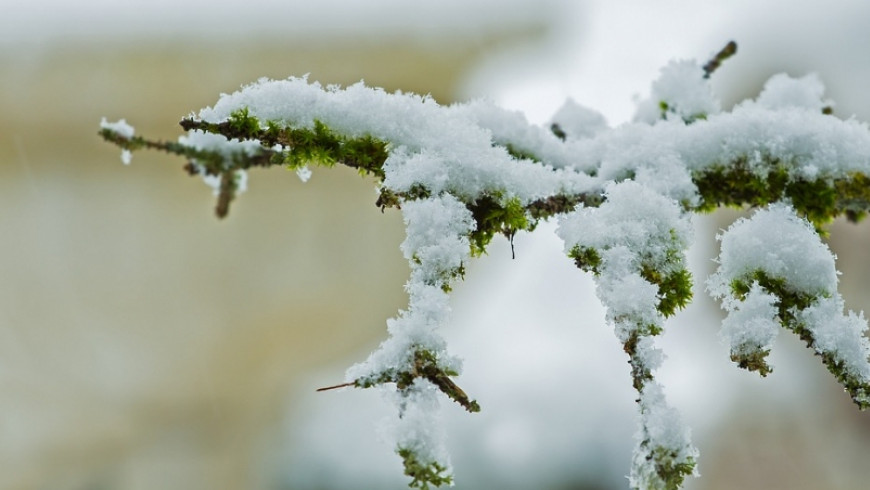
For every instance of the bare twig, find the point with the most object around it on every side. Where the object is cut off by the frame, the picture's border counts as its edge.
(728, 51)
(335, 387)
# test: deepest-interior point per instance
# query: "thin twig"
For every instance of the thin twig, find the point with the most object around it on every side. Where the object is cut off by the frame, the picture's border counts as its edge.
(335, 387)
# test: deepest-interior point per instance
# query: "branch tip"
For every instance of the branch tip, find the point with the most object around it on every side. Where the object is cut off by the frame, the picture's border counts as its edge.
(728, 51)
(335, 387)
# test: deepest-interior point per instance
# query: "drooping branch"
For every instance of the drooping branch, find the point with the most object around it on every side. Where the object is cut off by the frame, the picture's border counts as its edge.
(634, 245)
(792, 284)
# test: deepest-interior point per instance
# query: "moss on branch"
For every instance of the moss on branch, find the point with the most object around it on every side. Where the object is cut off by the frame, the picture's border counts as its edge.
(735, 183)
(423, 473)
(318, 144)
(494, 215)
(820, 200)
(789, 303)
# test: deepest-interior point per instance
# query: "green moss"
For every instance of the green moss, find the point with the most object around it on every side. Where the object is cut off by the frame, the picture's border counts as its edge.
(243, 125)
(423, 474)
(521, 154)
(815, 200)
(853, 196)
(789, 302)
(387, 199)
(586, 259)
(753, 360)
(493, 216)
(323, 146)
(640, 372)
(675, 289)
(737, 186)
(663, 108)
(318, 145)
(418, 191)
(820, 201)
(445, 278)
(560, 204)
(670, 470)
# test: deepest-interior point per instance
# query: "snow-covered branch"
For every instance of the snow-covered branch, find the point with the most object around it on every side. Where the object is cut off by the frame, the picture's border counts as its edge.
(464, 173)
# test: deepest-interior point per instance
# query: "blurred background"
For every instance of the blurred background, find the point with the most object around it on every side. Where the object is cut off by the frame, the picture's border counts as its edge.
(145, 344)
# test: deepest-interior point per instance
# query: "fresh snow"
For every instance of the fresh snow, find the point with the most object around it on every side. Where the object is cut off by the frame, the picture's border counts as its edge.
(780, 243)
(120, 127)
(681, 84)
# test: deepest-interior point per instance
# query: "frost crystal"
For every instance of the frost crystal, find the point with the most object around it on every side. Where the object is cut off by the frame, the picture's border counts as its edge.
(436, 246)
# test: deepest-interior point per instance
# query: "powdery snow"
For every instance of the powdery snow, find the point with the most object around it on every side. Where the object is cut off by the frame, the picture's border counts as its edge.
(662, 425)
(781, 244)
(752, 324)
(839, 334)
(120, 127)
(783, 91)
(441, 146)
(685, 92)
(577, 121)
(646, 223)
(451, 148)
